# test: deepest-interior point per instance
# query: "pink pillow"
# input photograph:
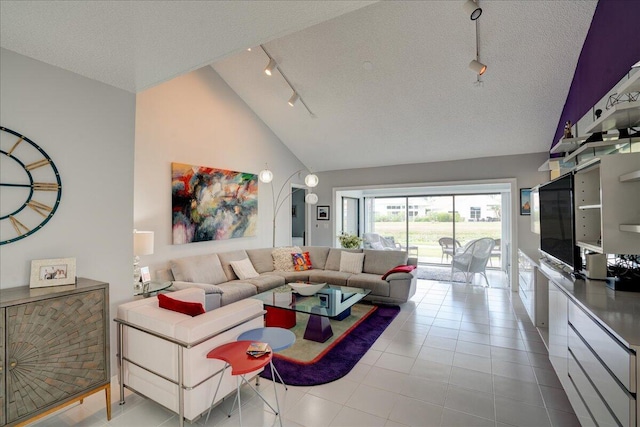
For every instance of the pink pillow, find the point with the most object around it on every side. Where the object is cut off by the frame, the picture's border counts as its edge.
(191, 308)
(399, 269)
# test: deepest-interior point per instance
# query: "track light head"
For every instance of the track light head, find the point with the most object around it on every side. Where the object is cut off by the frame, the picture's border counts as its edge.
(270, 67)
(478, 67)
(293, 99)
(472, 9)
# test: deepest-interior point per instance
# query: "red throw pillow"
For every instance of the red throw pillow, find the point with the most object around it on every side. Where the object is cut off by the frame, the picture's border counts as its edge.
(191, 308)
(399, 269)
(301, 262)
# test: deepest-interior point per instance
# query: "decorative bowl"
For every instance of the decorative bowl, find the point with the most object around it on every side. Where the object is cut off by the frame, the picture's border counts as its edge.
(306, 289)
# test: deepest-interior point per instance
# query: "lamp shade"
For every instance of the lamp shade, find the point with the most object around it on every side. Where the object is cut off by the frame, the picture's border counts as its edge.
(142, 242)
(311, 180)
(472, 9)
(265, 176)
(311, 198)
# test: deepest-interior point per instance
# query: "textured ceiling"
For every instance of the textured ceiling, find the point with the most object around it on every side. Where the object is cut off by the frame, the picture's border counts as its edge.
(417, 103)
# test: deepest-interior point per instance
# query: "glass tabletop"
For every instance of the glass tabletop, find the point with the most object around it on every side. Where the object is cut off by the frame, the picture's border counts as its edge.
(330, 301)
(146, 289)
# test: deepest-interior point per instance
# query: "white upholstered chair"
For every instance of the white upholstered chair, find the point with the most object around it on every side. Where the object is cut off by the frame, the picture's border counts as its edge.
(473, 258)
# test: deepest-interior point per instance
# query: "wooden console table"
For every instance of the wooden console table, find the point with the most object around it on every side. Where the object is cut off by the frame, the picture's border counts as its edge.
(54, 349)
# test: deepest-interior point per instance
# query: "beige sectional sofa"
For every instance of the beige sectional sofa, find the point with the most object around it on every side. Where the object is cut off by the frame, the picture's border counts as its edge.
(214, 274)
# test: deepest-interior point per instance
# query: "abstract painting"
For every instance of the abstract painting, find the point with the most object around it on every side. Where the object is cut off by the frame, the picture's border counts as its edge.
(212, 204)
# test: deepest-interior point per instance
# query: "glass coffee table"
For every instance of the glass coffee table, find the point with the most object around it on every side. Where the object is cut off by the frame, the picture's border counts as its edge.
(330, 302)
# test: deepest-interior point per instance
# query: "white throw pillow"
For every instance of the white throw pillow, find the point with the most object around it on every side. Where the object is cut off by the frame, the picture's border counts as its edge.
(282, 258)
(244, 269)
(351, 262)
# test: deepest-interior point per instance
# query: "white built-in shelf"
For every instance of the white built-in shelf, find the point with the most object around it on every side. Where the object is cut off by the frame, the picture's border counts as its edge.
(632, 228)
(630, 177)
(621, 115)
(592, 246)
(631, 85)
(585, 207)
(600, 147)
(567, 145)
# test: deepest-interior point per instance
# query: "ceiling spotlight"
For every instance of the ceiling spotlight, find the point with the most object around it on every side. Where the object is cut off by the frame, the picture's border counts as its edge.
(270, 67)
(293, 99)
(472, 9)
(478, 67)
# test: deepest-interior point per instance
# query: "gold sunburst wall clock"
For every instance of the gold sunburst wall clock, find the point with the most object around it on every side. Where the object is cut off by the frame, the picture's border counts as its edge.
(30, 187)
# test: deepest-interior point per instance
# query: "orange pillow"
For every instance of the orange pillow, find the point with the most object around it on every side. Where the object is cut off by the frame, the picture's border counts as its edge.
(301, 262)
(191, 308)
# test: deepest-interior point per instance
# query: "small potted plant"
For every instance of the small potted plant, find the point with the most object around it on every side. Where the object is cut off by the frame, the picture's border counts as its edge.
(349, 241)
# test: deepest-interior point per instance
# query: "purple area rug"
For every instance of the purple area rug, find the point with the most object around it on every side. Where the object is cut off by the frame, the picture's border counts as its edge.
(340, 359)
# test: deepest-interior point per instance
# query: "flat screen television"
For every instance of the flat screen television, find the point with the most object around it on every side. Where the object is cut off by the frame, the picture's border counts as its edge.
(557, 222)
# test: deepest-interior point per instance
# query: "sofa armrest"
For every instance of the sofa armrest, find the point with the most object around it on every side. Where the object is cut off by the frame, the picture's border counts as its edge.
(400, 276)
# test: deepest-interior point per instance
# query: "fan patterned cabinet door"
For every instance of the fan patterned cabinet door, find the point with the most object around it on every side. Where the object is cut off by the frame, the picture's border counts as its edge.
(3, 421)
(55, 349)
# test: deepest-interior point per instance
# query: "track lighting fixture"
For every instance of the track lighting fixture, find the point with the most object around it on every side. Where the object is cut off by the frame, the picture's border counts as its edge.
(293, 99)
(475, 64)
(472, 9)
(478, 67)
(270, 67)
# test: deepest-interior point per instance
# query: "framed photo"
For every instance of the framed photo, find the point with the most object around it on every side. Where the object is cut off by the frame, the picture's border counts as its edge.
(145, 275)
(525, 201)
(52, 272)
(322, 213)
(324, 300)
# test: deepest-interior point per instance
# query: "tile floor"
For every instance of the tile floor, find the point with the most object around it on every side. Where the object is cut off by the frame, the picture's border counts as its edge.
(456, 355)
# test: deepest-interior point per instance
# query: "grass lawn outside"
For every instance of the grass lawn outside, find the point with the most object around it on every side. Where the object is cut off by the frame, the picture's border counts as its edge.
(425, 235)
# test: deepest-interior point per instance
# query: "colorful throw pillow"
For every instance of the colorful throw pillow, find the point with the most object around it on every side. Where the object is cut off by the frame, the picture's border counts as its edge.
(282, 258)
(399, 269)
(244, 269)
(301, 261)
(351, 262)
(191, 308)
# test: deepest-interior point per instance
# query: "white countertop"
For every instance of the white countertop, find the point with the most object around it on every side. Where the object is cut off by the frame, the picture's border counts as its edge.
(617, 311)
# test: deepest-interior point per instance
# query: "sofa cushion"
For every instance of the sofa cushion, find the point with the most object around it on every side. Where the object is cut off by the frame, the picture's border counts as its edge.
(236, 291)
(318, 255)
(351, 263)
(227, 257)
(266, 281)
(333, 258)
(190, 308)
(379, 262)
(334, 277)
(244, 269)
(200, 269)
(292, 276)
(378, 286)
(261, 259)
(301, 261)
(282, 258)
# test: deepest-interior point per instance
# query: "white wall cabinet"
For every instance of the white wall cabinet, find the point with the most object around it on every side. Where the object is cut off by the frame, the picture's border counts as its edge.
(607, 204)
(533, 291)
(593, 343)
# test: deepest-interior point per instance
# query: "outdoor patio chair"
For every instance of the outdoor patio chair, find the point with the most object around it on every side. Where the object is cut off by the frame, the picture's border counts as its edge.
(376, 241)
(449, 247)
(496, 252)
(473, 258)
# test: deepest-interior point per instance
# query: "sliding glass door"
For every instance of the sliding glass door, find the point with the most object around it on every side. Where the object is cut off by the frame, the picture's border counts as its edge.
(435, 227)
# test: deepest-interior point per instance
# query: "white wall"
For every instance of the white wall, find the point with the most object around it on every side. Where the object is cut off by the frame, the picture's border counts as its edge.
(522, 167)
(87, 128)
(197, 119)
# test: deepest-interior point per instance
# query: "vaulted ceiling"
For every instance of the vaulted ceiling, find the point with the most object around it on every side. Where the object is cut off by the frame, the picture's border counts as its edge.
(387, 82)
